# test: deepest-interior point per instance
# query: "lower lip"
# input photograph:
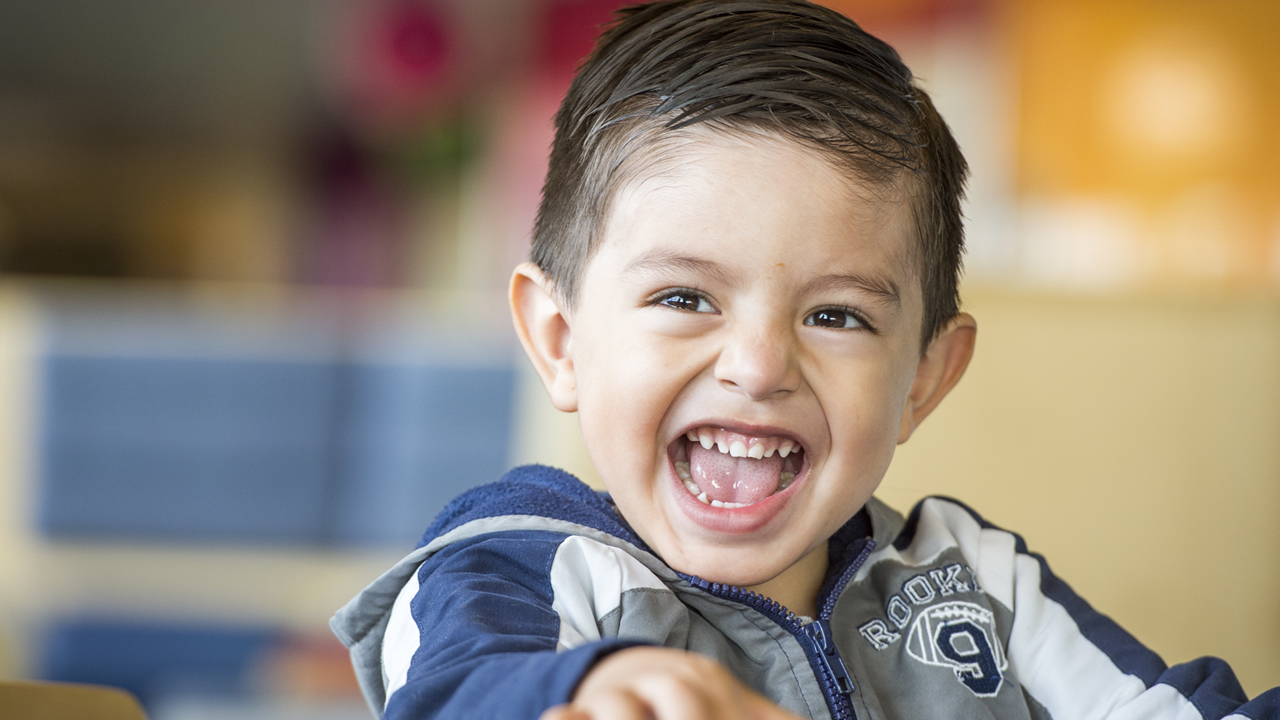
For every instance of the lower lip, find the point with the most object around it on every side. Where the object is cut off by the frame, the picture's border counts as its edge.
(740, 520)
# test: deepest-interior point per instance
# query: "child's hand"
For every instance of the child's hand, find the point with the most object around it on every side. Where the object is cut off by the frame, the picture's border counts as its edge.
(664, 684)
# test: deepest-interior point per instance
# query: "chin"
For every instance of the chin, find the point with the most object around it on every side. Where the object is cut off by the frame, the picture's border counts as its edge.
(737, 566)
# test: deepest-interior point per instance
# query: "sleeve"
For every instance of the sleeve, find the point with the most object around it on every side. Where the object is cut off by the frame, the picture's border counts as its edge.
(483, 634)
(1075, 662)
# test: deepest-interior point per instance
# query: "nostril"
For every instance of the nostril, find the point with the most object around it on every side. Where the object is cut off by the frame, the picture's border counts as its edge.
(759, 388)
(758, 369)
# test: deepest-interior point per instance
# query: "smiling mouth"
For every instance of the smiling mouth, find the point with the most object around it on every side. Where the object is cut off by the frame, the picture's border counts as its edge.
(730, 470)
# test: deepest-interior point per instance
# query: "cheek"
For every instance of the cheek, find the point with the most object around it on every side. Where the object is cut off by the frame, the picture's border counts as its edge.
(865, 411)
(626, 385)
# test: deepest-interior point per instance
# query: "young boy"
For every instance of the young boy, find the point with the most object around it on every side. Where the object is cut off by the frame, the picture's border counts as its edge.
(743, 279)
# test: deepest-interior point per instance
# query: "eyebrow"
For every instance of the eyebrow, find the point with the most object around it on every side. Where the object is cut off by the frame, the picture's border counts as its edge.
(661, 261)
(883, 289)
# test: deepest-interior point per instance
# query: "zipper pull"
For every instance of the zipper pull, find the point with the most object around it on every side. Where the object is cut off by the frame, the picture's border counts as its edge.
(819, 634)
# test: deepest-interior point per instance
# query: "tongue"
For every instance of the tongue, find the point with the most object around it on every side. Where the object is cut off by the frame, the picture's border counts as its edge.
(731, 479)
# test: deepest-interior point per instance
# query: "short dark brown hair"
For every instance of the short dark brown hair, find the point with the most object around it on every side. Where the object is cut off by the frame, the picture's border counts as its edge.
(783, 67)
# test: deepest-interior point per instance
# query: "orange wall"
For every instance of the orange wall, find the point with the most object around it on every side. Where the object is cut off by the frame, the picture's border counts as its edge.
(1164, 108)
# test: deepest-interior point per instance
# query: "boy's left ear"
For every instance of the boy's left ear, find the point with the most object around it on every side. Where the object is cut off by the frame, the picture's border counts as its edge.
(940, 369)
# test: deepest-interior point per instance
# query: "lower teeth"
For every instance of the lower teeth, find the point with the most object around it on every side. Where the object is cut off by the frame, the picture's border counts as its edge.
(682, 469)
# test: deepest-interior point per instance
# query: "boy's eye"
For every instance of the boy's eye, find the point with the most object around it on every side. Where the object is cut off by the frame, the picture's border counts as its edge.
(687, 301)
(834, 318)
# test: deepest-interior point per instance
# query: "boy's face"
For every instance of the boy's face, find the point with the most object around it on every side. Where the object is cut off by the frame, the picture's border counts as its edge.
(750, 298)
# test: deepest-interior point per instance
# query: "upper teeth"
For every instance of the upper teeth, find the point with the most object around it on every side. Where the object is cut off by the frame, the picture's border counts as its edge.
(741, 446)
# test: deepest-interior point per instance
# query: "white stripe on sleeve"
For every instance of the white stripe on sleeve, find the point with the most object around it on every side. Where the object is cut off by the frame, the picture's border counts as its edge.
(588, 579)
(1049, 656)
(401, 640)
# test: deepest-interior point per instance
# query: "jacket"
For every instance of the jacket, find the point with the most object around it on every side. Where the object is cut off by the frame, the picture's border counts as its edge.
(520, 586)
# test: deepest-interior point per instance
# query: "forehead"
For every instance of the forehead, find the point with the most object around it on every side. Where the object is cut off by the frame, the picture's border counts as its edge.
(757, 194)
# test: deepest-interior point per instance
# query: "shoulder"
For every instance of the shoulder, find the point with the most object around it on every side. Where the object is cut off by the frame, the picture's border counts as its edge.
(533, 493)
(937, 524)
(939, 528)
(544, 529)
(946, 552)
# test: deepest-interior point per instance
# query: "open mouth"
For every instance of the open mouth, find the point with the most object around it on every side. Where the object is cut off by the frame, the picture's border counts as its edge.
(730, 470)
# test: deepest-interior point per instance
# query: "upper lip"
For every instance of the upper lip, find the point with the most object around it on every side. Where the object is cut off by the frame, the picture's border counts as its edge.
(745, 429)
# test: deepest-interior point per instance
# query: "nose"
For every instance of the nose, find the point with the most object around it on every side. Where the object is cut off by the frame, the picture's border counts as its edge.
(758, 362)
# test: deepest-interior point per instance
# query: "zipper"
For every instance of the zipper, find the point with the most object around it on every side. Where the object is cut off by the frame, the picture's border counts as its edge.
(819, 634)
(814, 637)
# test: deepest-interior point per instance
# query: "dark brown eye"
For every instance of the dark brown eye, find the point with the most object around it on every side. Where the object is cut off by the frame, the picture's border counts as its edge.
(686, 301)
(833, 318)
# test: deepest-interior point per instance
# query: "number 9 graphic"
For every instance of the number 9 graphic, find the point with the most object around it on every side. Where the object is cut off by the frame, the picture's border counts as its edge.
(960, 636)
(977, 668)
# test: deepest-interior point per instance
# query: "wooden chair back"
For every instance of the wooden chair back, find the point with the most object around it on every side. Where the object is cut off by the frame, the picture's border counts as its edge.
(24, 700)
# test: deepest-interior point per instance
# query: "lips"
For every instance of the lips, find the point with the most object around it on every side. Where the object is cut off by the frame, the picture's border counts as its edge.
(731, 479)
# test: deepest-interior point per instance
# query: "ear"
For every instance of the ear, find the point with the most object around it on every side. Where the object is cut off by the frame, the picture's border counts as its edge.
(543, 329)
(940, 369)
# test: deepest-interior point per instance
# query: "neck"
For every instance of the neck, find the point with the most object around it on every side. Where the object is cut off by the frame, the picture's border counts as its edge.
(796, 588)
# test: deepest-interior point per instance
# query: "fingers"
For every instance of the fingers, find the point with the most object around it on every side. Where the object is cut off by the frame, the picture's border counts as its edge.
(564, 712)
(672, 698)
(619, 704)
(666, 697)
(664, 684)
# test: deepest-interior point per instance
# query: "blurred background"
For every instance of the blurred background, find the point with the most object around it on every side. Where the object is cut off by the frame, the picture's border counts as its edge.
(253, 335)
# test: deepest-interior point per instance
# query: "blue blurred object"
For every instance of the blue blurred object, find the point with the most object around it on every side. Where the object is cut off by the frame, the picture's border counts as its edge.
(167, 424)
(152, 661)
(415, 438)
(185, 448)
